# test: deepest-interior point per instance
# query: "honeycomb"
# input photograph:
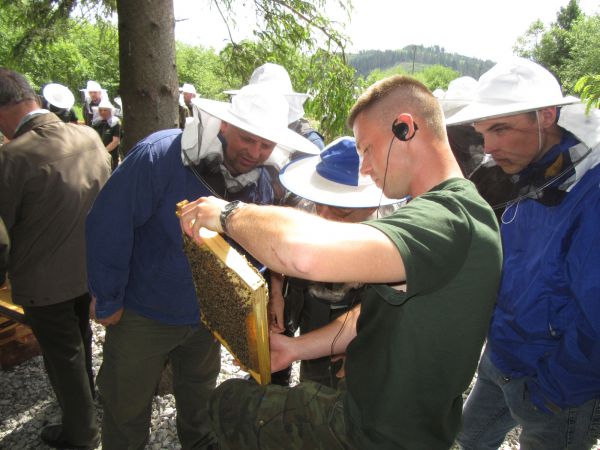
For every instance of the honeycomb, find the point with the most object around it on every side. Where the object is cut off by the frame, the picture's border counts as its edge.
(233, 297)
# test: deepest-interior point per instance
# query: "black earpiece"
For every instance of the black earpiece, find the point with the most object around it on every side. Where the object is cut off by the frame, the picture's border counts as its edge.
(400, 130)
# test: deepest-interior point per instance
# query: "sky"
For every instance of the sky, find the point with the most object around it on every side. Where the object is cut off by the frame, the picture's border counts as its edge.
(477, 28)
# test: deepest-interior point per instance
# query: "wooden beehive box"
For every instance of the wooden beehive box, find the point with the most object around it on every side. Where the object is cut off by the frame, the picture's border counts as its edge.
(17, 342)
(233, 299)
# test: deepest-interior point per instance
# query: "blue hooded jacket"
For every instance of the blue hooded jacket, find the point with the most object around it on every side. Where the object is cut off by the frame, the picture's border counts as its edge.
(546, 325)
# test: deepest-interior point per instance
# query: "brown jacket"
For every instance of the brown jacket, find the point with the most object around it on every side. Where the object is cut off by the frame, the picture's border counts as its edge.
(50, 174)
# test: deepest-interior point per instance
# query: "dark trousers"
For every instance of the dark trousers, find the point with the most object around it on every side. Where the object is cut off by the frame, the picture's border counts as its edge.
(65, 337)
(114, 161)
(135, 352)
(498, 403)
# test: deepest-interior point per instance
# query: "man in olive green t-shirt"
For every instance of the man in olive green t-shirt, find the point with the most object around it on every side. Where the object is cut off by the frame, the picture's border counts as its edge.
(431, 268)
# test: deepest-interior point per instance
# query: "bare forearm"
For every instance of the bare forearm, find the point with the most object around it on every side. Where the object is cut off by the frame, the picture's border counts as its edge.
(113, 144)
(302, 245)
(305, 246)
(273, 235)
(332, 339)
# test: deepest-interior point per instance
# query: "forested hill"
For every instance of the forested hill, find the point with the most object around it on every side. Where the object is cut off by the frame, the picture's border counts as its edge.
(418, 56)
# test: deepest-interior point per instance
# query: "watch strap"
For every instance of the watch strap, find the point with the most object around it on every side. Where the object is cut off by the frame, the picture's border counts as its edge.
(227, 211)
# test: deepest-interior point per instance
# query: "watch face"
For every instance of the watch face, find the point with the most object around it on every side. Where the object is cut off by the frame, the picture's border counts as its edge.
(227, 209)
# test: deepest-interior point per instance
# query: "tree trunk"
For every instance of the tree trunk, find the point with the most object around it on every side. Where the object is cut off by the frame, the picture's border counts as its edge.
(149, 86)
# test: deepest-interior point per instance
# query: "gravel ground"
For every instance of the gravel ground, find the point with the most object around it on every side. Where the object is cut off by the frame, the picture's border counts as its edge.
(27, 404)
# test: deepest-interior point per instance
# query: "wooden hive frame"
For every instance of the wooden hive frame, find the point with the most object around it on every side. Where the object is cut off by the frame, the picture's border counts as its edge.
(233, 298)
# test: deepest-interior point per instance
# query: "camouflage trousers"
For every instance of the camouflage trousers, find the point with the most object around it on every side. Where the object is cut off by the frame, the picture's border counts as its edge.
(308, 416)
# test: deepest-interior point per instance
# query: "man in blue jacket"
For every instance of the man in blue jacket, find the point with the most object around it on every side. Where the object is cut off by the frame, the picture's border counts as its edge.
(541, 366)
(139, 275)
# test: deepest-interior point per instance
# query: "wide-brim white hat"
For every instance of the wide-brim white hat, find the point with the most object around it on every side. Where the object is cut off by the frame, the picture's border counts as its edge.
(187, 87)
(93, 86)
(459, 94)
(333, 178)
(58, 95)
(275, 78)
(261, 113)
(512, 87)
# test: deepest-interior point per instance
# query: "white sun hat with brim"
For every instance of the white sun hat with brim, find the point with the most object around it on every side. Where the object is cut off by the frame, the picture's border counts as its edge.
(104, 104)
(58, 95)
(261, 113)
(187, 87)
(459, 94)
(333, 178)
(274, 77)
(93, 86)
(514, 86)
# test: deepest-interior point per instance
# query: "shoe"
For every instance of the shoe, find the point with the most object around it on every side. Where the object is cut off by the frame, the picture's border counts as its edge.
(52, 435)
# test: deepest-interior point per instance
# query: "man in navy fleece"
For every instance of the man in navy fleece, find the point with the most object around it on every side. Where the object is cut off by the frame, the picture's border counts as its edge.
(139, 275)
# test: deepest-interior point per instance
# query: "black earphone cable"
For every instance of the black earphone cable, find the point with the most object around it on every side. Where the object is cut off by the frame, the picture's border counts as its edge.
(387, 163)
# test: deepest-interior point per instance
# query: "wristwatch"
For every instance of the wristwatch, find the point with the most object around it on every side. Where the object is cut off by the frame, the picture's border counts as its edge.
(229, 209)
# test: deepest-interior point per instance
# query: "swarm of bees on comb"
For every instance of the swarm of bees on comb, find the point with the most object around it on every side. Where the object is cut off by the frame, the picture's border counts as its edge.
(233, 299)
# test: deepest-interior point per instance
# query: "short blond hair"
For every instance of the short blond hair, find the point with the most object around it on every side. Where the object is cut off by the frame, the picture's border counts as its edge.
(391, 96)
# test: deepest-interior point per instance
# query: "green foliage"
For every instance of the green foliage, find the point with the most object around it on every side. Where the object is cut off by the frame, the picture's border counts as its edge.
(436, 76)
(588, 87)
(334, 90)
(81, 51)
(378, 74)
(528, 43)
(298, 36)
(586, 61)
(202, 68)
(558, 37)
(568, 15)
(414, 58)
(325, 75)
(301, 23)
(240, 60)
(558, 47)
(41, 22)
(585, 52)
(570, 48)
